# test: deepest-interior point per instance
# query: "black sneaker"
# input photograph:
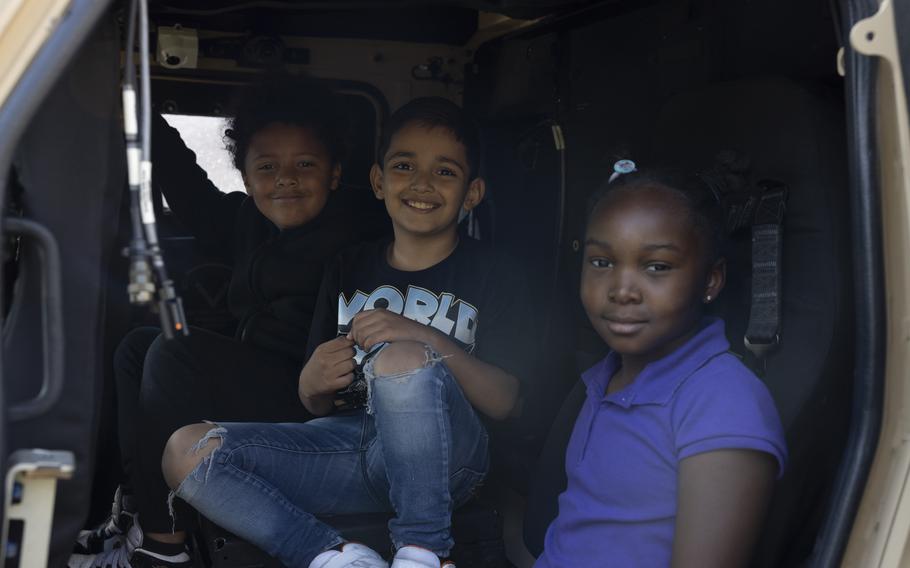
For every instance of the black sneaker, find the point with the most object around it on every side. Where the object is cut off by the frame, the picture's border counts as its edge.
(142, 558)
(111, 533)
(131, 555)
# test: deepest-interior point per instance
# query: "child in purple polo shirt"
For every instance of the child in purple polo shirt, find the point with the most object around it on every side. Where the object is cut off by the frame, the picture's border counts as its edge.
(675, 451)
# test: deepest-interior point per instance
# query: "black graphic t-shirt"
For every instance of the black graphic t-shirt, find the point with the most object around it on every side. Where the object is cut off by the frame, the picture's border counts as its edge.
(472, 296)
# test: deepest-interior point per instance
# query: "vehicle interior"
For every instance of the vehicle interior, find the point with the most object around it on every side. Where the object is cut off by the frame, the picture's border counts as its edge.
(561, 91)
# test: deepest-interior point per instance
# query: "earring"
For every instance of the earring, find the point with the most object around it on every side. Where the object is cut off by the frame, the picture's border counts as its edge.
(707, 298)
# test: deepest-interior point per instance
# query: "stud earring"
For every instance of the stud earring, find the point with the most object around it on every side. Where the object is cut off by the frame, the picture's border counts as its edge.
(707, 298)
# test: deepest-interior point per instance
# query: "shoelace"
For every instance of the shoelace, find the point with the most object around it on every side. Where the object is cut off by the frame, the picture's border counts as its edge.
(109, 529)
(116, 558)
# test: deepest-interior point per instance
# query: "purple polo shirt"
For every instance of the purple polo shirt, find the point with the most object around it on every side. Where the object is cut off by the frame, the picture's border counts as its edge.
(623, 457)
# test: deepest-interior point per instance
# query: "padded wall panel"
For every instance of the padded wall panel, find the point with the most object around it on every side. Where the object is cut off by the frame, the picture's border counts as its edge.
(70, 162)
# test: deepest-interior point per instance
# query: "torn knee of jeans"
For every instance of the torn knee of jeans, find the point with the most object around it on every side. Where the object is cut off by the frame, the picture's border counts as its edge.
(400, 359)
(170, 509)
(407, 359)
(207, 460)
(203, 466)
(215, 431)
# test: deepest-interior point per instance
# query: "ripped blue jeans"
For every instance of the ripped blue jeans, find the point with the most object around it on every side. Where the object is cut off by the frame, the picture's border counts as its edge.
(419, 452)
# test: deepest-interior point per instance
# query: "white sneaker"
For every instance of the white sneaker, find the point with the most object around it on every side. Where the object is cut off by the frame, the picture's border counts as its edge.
(417, 557)
(111, 533)
(118, 557)
(351, 555)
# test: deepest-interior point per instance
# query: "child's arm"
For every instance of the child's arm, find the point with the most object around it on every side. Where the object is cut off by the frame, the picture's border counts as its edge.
(330, 359)
(487, 387)
(721, 503)
(196, 201)
(329, 369)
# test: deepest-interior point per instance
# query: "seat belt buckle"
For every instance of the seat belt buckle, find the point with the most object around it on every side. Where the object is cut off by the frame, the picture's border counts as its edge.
(761, 348)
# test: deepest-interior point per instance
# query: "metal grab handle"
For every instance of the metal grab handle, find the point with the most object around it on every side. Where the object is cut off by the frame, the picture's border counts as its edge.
(51, 318)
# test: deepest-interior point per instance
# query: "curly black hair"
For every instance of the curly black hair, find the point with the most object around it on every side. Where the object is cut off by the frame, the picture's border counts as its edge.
(288, 99)
(699, 193)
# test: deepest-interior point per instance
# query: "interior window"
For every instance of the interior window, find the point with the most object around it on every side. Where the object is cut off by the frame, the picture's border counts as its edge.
(204, 135)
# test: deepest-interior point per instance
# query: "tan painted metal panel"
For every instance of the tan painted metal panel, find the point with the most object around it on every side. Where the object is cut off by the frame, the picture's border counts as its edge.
(882, 526)
(24, 27)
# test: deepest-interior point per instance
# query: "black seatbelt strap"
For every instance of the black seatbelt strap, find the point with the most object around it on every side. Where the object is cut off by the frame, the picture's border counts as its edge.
(763, 331)
(761, 208)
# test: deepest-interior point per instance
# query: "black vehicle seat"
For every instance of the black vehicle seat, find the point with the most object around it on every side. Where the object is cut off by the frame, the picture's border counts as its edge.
(525, 167)
(794, 134)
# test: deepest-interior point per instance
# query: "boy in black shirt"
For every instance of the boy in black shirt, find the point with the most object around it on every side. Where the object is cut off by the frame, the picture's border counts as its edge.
(426, 319)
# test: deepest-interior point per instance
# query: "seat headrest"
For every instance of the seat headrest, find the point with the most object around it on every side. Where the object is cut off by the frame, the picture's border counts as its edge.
(796, 135)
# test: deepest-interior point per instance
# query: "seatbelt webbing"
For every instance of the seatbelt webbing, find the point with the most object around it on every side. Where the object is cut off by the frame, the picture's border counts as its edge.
(764, 313)
(763, 330)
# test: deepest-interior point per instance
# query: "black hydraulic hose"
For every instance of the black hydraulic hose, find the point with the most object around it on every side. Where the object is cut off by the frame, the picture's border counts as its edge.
(141, 287)
(170, 307)
(147, 283)
(136, 244)
(869, 295)
(146, 84)
(130, 71)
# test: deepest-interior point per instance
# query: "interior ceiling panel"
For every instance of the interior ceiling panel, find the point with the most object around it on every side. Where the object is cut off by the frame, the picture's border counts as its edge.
(428, 21)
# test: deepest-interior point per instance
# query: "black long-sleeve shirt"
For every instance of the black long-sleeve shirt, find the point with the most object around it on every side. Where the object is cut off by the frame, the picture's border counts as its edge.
(277, 273)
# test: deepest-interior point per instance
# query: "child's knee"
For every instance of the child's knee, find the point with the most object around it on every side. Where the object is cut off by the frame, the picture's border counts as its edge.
(186, 449)
(164, 354)
(401, 357)
(405, 375)
(132, 349)
(160, 347)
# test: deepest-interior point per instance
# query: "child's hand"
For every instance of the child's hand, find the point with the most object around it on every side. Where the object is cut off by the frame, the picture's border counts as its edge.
(371, 327)
(330, 368)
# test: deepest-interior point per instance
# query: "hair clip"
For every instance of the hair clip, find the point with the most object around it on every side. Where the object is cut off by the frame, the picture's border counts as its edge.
(622, 167)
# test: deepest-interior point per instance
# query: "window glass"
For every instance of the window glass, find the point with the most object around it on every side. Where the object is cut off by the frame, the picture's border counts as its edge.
(204, 135)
